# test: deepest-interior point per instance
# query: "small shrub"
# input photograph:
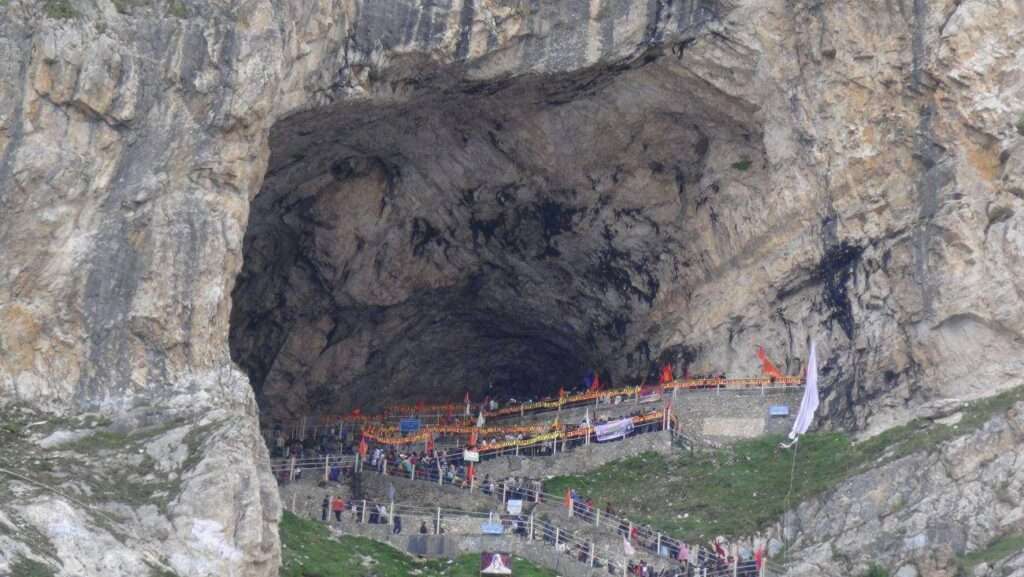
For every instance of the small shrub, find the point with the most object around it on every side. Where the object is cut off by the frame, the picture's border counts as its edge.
(177, 9)
(743, 165)
(1020, 124)
(876, 570)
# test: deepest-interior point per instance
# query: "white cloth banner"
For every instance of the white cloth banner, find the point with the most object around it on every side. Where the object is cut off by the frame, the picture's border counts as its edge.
(515, 506)
(627, 548)
(614, 429)
(809, 404)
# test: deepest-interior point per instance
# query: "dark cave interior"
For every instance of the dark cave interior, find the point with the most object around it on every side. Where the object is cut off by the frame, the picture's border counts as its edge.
(503, 237)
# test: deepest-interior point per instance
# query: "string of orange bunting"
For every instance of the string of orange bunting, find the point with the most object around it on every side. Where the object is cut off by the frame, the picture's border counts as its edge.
(463, 424)
(386, 437)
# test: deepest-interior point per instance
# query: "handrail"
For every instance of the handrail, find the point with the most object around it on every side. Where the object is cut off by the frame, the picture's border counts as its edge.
(534, 529)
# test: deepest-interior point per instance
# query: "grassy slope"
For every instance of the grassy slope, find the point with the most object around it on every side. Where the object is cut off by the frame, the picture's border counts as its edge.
(738, 490)
(310, 551)
(996, 551)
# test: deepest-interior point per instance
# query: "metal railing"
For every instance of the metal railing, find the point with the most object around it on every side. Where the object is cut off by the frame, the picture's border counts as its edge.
(531, 529)
(646, 538)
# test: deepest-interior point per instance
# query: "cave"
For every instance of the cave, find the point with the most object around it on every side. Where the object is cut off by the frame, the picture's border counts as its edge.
(499, 237)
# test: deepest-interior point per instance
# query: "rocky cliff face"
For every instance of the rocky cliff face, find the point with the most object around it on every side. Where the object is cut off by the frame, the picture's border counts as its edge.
(426, 197)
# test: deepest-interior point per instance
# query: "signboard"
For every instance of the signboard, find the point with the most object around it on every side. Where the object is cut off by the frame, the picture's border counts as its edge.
(515, 506)
(471, 456)
(406, 426)
(495, 563)
(492, 528)
(779, 410)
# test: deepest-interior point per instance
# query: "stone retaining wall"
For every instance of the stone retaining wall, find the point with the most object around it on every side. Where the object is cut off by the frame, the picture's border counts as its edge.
(578, 460)
(729, 416)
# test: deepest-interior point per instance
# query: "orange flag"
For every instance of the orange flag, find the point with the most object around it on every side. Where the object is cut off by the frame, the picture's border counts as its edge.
(766, 365)
(362, 446)
(596, 385)
(666, 373)
(470, 473)
(568, 498)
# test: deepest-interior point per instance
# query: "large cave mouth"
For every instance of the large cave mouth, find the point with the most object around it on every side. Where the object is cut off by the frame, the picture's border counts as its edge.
(500, 237)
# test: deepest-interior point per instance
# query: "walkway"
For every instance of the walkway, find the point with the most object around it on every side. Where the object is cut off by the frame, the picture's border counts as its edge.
(527, 536)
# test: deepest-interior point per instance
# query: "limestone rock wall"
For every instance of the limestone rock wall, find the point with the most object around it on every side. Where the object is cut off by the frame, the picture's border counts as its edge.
(919, 514)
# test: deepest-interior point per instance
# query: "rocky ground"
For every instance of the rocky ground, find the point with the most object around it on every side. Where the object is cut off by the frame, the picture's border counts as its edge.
(143, 493)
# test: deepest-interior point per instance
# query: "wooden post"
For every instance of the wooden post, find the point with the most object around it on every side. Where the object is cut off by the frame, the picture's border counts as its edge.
(437, 526)
(597, 516)
(362, 513)
(735, 560)
(657, 546)
(291, 469)
(531, 528)
(391, 513)
(412, 472)
(557, 531)
(327, 465)
(503, 487)
(592, 548)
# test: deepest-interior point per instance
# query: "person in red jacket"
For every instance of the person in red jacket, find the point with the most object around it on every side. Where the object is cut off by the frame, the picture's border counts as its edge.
(337, 505)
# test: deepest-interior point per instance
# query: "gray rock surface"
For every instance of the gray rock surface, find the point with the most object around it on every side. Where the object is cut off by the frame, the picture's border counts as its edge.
(429, 195)
(930, 508)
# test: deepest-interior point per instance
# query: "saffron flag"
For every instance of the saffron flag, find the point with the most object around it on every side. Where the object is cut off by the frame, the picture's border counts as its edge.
(627, 548)
(666, 373)
(767, 367)
(596, 384)
(809, 404)
(362, 446)
(561, 392)
(568, 499)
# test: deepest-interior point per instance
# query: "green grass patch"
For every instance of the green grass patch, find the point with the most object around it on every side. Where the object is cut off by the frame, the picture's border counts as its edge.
(61, 9)
(177, 9)
(876, 570)
(743, 164)
(998, 550)
(309, 550)
(1020, 124)
(738, 490)
(25, 567)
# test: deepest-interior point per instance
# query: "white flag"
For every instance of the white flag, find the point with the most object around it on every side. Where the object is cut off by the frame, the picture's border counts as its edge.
(627, 548)
(480, 420)
(586, 418)
(809, 404)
